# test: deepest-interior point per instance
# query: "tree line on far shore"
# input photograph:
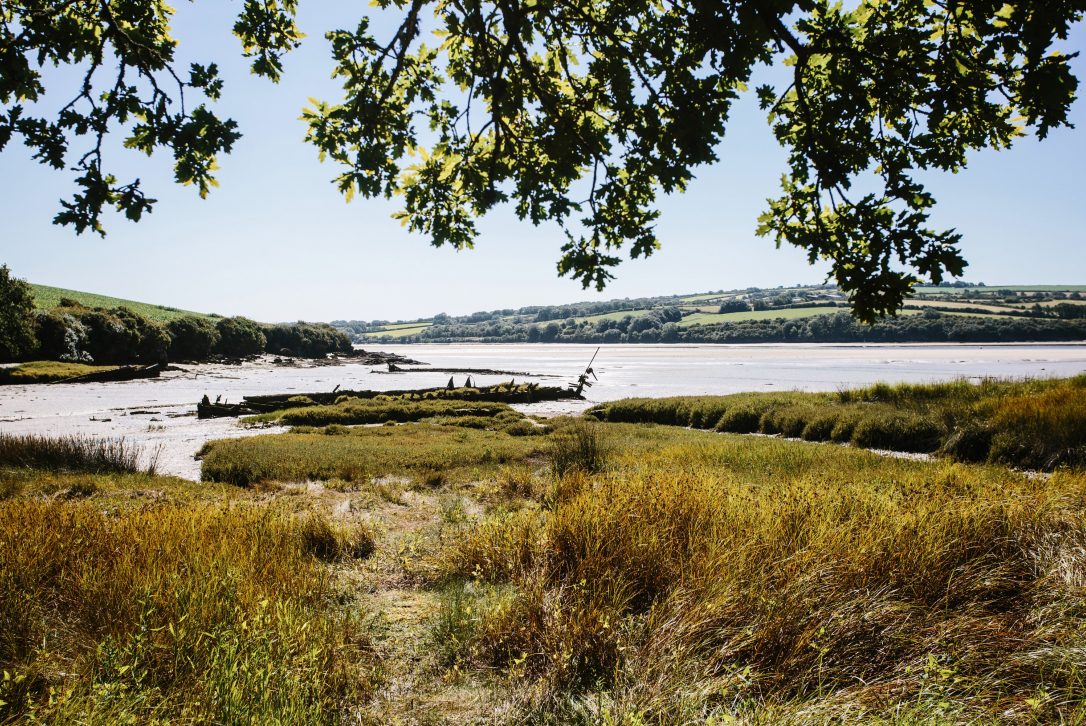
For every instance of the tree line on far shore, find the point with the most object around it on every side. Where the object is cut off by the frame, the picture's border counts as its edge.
(74, 332)
(663, 326)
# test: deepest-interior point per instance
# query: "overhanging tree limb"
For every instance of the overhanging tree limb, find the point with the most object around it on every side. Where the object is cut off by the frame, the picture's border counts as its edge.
(593, 108)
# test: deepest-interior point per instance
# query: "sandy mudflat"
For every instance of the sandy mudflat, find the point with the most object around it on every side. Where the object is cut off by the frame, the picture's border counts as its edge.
(161, 413)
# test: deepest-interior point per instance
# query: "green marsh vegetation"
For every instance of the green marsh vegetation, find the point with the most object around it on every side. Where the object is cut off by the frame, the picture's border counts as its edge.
(350, 409)
(639, 573)
(46, 371)
(90, 454)
(359, 454)
(1036, 424)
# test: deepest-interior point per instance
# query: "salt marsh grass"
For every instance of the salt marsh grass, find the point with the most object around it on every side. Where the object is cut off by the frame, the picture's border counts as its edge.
(355, 411)
(357, 454)
(783, 581)
(75, 453)
(595, 572)
(1030, 423)
(46, 371)
(196, 613)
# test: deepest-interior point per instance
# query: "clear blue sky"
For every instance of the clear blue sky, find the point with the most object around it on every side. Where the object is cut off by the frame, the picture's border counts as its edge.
(277, 242)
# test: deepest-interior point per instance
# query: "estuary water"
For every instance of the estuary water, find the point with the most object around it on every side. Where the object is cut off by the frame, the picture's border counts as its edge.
(161, 413)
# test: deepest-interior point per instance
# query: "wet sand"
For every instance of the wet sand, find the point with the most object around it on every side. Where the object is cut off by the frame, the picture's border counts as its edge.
(161, 413)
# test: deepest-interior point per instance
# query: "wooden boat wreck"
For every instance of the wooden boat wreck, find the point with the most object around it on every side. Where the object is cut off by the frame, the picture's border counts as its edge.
(510, 392)
(500, 393)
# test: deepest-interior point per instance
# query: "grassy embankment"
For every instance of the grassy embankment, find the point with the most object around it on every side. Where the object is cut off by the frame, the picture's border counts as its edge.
(46, 371)
(1037, 424)
(595, 573)
(47, 298)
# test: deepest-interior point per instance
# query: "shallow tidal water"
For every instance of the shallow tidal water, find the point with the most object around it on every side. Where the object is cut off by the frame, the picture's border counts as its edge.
(161, 413)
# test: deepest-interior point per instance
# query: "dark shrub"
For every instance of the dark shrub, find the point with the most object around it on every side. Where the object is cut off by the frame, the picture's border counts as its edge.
(307, 340)
(109, 338)
(17, 339)
(842, 430)
(705, 412)
(192, 338)
(970, 442)
(98, 335)
(820, 426)
(786, 420)
(240, 337)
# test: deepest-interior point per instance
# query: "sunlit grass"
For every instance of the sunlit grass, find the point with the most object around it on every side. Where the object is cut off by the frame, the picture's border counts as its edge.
(1032, 423)
(356, 454)
(47, 298)
(167, 612)
(771, 580)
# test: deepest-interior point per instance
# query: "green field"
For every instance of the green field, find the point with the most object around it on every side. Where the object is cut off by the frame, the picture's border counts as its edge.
(46, 298)
(616, 315)
(964, 305)
(706, 296)
(787, 313)
(399, 330)
(927, 290)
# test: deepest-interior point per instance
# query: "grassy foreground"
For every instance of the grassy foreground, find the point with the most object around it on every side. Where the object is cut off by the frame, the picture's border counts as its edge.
(593, 573)
(781, 582)
(127, 597)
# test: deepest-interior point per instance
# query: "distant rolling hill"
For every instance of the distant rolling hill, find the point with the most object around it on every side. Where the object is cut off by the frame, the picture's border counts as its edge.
(46, 297)
(959, 311)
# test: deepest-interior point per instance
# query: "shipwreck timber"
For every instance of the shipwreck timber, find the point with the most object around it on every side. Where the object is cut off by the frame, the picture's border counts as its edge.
(510, 392)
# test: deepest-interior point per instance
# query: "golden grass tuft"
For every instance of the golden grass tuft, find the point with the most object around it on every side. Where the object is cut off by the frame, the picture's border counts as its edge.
(78, 453)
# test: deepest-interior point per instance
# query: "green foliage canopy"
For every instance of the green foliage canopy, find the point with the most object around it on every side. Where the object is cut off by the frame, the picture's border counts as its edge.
(75, 333)
(308, 340)
(583, 112)
(240, 337)
(192, 338)
(16, 317)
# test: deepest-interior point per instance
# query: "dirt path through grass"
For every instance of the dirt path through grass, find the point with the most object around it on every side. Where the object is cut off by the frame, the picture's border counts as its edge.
(417, 688)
